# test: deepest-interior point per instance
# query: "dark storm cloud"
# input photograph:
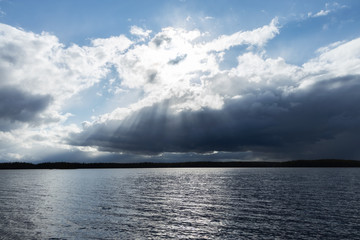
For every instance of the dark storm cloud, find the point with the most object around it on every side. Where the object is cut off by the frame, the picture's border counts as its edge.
(79, 156)
(18, 107)
(317, 121)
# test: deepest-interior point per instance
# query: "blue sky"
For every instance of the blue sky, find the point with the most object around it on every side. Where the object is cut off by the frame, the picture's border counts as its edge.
(178, 80)
(79, 21)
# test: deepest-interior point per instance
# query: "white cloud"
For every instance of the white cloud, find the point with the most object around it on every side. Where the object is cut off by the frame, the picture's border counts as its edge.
(138, 31)
(39, 64)
(34, 144)
(321, 13)
(329, 8)
(336, 60)
(176, 64)
(206, 18)
(257, 37)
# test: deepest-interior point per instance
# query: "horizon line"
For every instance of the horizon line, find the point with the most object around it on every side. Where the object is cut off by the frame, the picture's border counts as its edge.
(197, 164)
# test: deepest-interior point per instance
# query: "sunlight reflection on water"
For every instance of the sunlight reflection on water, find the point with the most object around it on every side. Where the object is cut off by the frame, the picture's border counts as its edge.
(214, 203)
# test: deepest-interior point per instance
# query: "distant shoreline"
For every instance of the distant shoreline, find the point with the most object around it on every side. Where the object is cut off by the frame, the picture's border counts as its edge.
(233, 164)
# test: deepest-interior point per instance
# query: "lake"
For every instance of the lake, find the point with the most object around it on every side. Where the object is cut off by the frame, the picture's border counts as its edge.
(179, 203)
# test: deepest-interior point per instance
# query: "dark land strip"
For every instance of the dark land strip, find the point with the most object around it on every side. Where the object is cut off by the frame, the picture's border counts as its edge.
(233, 164)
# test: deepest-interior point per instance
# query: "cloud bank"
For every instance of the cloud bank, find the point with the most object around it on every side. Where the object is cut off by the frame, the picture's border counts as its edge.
(188, 105)
(263, 105)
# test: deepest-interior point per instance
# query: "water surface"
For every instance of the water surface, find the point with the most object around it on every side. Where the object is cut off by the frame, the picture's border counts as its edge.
(202, 203)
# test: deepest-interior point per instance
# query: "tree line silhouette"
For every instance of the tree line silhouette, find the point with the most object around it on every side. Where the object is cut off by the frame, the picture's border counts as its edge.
(241, 164)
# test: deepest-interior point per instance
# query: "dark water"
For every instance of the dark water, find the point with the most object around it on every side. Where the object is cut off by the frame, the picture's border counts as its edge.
(218, 203)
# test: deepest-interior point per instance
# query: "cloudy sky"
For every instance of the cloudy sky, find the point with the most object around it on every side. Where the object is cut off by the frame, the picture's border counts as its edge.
(184, 80)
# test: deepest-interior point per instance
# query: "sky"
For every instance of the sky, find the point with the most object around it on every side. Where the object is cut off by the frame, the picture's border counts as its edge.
(180, 80)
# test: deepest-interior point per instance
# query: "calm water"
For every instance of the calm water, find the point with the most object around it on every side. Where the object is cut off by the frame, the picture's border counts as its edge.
(217, 203)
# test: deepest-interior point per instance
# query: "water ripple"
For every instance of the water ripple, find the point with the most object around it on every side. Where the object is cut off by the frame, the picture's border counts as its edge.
(180, 204)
